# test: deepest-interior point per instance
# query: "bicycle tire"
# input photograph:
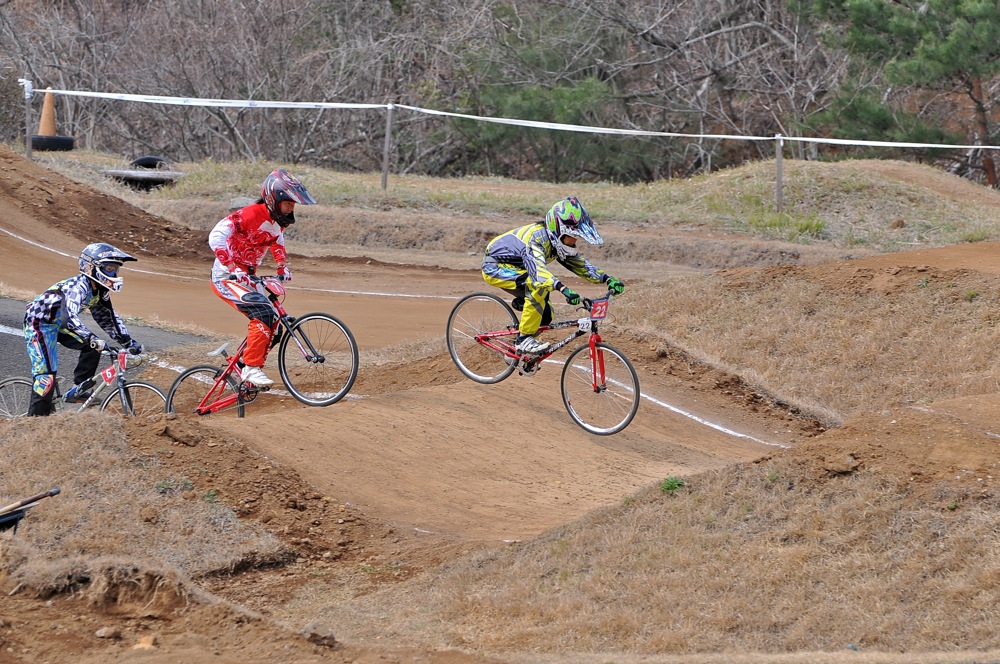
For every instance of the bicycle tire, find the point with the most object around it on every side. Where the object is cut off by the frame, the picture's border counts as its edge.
(326, 377)
(473, 315)
(193, 385)
(144, 400)
(15, 397)
(610, 408)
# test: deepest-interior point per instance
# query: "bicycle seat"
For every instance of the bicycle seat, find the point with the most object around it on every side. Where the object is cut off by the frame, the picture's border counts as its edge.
(221, 350)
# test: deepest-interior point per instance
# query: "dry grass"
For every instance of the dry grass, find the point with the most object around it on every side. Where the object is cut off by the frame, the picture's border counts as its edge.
(12, 293)
(754, 558)
(831, 353)
(115, 506)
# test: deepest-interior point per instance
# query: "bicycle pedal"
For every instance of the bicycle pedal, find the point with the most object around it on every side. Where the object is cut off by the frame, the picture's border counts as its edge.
(529, 368)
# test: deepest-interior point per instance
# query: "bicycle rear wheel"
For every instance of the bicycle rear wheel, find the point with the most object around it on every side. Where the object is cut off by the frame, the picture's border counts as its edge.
(196, 386)
(142, 399)
(602, 405)
(318, 359)
(15, 396)
(477, 314)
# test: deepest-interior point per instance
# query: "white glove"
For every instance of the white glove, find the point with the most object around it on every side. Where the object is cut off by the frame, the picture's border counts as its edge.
(240, 275)
(284, 274)
(98, 344)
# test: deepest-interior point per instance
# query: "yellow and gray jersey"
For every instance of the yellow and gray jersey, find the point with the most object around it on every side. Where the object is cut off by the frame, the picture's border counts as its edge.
(529, 248)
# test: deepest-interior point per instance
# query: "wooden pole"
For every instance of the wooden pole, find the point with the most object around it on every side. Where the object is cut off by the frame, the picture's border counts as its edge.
(388, 144)
(27, 116)
(778, 147)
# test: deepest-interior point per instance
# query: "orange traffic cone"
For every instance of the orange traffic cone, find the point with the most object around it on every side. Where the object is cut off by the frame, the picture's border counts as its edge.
(47, 137)
(47, 124)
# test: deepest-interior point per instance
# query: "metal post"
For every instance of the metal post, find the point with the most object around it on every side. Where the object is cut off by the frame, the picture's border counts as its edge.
(388, 144)
(27, 115)
(778, 147)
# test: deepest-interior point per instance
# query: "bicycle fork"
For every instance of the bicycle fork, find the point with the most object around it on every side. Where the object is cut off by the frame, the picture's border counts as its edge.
(308, 350)
(597, 377)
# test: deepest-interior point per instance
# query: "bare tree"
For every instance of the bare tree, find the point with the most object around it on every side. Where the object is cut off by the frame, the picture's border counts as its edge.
(715, 66)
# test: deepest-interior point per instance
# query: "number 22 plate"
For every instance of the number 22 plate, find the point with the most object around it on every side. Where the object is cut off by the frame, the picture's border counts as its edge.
(599, 309)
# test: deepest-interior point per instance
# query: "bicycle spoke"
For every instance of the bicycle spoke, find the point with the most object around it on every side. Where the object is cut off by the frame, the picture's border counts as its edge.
(144, 399)
(611, 404)
(474, 315)
(15, 397)
(318, 359)
(198, 383)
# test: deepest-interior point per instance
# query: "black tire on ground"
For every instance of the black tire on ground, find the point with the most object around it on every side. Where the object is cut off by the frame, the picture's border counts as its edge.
(149, 161)
(51, 143)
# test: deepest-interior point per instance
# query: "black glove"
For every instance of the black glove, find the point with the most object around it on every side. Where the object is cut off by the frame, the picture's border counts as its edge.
(615, 286)
(572, 297)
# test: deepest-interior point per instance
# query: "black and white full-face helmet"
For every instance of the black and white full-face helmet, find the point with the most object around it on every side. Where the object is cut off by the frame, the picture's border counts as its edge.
(100, 262)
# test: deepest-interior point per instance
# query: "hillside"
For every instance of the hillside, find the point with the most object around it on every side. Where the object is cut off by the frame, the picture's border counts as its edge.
(427, 522)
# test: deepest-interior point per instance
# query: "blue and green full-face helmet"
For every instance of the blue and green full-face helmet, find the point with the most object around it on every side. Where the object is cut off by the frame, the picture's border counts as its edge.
(569, 217)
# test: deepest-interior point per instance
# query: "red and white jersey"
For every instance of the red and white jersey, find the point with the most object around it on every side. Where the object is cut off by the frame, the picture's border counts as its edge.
(243, 239)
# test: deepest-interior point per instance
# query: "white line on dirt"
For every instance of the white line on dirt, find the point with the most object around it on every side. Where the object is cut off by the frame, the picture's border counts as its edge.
(177, 276)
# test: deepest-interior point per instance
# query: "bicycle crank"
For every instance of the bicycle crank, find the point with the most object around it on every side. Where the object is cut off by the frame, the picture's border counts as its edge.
(528, 367)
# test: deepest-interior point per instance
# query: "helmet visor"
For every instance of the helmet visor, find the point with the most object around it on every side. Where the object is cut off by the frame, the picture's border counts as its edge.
(585, 230)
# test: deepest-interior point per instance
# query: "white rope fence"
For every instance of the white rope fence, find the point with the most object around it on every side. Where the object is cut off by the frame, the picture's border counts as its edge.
(778, 139)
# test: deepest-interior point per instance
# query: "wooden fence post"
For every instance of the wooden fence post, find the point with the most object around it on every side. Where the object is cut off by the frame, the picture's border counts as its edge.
(27, 116)
(778, 147)
(388, 144)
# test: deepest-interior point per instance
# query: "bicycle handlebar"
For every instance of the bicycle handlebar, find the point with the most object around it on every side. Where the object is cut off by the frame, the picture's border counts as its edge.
(259, 278)
(134, 360)
(588, 303)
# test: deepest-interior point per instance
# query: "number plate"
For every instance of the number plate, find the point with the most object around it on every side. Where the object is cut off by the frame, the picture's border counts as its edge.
(599, 310)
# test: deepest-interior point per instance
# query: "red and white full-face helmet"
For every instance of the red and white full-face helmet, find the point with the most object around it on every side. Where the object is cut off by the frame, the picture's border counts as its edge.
(569, 217)
(280, 186)
(100, 262)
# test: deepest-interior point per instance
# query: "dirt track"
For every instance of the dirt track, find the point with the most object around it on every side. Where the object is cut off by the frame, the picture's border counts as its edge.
(419, 447)
(435, 450)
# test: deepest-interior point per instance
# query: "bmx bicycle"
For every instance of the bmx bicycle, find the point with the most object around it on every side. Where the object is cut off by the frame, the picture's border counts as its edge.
(600, 388)
(317, 359)
(134, 398)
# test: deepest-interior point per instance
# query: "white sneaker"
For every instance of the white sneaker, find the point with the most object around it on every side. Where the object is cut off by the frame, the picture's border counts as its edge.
(532, 346)
(256, 376)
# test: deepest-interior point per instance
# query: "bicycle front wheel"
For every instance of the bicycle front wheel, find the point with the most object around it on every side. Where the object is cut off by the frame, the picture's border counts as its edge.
(318, 359)
(141, 399)
(602, 401)
(15, 397)
(196, 388)
(474, 315)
